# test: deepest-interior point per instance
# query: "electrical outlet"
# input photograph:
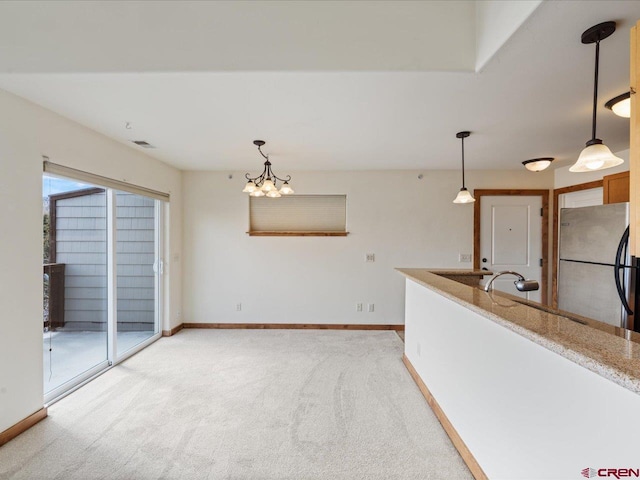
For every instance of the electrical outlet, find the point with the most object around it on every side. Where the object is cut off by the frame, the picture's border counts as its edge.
(238, 307)
(370, 307)
(370, 257)
(464, 257)
(179, 314)
(358, 307)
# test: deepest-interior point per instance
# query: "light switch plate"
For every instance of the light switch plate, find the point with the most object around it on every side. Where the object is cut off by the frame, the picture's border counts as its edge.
(464, 257)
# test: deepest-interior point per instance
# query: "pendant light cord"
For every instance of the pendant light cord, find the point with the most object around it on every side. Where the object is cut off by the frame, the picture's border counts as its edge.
(462, 162)
(595, 92)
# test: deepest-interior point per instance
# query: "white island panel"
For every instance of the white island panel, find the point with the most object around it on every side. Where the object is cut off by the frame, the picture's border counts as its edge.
(523, 411)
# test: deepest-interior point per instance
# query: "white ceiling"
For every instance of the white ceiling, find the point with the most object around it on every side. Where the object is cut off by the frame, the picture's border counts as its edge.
(328, 85)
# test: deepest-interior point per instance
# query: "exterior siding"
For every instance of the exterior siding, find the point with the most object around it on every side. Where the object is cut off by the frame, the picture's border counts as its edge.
(135, 250)
(81, 245)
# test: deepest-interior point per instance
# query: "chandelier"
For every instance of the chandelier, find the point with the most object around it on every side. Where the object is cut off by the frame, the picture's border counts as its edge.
(265, 184)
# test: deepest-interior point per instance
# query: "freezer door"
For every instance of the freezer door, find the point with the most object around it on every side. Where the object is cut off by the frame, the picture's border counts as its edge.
(592, 234)
(589, 290)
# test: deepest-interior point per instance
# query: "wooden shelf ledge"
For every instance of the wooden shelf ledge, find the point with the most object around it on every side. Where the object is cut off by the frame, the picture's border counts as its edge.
(298, 234)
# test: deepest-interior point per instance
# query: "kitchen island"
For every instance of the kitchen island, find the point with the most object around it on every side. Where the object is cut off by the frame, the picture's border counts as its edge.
(523, 391)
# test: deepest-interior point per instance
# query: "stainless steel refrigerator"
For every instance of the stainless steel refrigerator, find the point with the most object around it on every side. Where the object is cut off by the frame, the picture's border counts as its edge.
(596, 277)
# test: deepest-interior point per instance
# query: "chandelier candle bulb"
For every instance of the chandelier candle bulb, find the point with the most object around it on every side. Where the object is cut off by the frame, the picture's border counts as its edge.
(267, 182)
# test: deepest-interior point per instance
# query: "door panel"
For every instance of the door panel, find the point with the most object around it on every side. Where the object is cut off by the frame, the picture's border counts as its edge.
(511, 239)
(592, 234)
(75, 280)
(137, 259)
(510, 235)
(589, 290)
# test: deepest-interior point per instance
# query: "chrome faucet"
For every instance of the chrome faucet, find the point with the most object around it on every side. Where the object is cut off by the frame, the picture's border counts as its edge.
(522, 284)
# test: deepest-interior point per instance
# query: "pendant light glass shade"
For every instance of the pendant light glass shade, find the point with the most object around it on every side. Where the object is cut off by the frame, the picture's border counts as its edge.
(257, 193)
(464, 197)
(268, 186)
(286, 189)
(274, 194)
(250, 187)
(596, 156)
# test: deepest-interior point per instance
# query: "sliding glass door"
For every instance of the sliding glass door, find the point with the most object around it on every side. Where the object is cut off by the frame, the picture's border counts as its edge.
(75, 281)
(137, 245)
(101, 275)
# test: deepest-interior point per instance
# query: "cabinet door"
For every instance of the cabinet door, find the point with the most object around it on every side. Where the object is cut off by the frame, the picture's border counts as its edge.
(616, 188)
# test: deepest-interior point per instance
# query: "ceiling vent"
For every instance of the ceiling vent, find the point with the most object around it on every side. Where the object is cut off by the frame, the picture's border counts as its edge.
(143, 144)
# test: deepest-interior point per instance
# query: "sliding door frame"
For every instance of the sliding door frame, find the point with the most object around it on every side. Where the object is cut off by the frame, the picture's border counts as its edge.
(113, 358)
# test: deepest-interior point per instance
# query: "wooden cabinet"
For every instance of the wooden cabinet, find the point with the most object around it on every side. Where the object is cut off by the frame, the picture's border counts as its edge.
(616, 188)
(634, 154)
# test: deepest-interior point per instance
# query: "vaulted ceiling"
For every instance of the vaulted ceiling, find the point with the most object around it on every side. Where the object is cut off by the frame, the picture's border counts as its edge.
(329, 85)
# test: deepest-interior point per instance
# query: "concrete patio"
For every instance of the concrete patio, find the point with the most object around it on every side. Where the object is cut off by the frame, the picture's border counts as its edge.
(73, 353)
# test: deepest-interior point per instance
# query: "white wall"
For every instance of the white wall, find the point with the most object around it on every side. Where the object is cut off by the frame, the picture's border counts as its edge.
(564, 178)
(27, 132)
(405, 221)
(522, 410)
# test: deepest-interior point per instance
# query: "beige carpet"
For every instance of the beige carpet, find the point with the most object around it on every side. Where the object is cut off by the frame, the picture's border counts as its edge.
(244, 404)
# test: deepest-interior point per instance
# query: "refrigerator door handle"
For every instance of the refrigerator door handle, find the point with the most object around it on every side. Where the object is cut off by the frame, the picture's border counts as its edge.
(619, 265)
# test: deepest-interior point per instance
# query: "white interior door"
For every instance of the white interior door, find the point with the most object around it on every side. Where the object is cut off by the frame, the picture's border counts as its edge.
(511, 239)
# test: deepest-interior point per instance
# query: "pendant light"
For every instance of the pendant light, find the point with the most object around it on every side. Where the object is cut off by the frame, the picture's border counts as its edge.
(620, 105)
(463, 195)
(265, 184)
(596, 155)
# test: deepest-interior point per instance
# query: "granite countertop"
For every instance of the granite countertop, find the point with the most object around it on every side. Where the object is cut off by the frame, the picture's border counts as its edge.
(452, 272)
(612, 352)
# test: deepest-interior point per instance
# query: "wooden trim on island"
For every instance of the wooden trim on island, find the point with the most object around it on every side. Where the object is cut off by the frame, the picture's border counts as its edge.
(463, 450)
(297, 234)
(173, 331)
(22, 426)
(295, 326)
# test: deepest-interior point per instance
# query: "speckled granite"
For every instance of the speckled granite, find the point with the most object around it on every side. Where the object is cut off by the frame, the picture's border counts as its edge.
(609, 351)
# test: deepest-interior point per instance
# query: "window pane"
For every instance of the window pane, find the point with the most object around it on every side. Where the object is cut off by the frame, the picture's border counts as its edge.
(75, 280)
(136, 256)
